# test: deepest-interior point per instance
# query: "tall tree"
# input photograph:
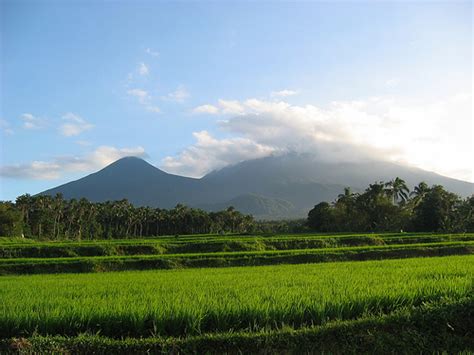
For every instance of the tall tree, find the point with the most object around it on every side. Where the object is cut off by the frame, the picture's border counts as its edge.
(11, 220)
(321, 217)
(435, 212)
(398, 190)
(419, 192)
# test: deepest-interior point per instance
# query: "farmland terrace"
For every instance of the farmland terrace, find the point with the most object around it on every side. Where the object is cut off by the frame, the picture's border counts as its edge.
(239, 294)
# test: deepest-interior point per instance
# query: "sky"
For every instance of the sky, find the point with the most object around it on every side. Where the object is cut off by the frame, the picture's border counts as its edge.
(194, 86)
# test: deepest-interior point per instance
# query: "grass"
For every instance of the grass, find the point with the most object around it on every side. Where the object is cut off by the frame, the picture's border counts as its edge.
(192, 244)
(444, 326)
(220, 259)
(350, 299)
(199, 301)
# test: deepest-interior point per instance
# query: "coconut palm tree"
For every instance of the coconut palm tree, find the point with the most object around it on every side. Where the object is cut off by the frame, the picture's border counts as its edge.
(419, 192)
(397, 189)
(347, 198)
(58, 207)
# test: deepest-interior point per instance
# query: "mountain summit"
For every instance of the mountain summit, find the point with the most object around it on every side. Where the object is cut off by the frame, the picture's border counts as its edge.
(271, 187)
(131, 178)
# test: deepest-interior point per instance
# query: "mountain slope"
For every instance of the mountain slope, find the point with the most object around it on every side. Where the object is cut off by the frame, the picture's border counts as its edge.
(259, 206)
(304, 180)
(131, 178)
(306, 169)
(273, 186)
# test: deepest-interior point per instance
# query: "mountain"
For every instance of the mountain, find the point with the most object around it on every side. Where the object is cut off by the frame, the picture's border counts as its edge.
(305, 169)
(271, 187)
(131, 178)
(256, 205)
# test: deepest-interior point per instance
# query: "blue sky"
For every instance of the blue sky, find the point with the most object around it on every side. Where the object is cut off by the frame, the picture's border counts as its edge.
(194, 86)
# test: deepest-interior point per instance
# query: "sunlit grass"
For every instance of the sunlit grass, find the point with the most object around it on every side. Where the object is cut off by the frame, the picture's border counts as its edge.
(193, 301)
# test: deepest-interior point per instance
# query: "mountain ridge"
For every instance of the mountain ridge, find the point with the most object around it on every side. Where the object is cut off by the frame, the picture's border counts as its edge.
(263, 187)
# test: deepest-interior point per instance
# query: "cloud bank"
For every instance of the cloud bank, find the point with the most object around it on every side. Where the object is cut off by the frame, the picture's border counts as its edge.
(432, 135)
(209, 153)
(435, 136)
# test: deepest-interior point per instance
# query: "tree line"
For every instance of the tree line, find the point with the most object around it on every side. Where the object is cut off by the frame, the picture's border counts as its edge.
(391, 206)
(44, 216)
(383, 206)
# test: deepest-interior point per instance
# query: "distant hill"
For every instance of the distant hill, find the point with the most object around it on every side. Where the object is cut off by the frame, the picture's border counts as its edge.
(271, 187)
(259, 206)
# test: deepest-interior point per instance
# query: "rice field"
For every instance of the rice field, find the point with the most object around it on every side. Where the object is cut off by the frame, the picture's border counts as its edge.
(275, 291)
(195, 301)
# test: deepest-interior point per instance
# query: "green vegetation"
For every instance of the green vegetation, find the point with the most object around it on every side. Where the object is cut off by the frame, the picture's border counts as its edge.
(293, 293)
(433, 327)
(382, 207)
(209, 244)
(198, 301)
(55, 218)
(235, 258)
(391, 207)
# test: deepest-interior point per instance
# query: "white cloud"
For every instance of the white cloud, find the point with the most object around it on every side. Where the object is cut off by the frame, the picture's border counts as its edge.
(227, 107)
(39, 170)
(5, 127)
(179, 95)
(234, 107)
(141, 95)
(74, 126)
(209, 153)
(209, 109)
(32, 122)
(283, 93)
(62, 165)
(144, 99)
(231, 107)
(140, 70)
(435, 136)
(143, 69)
(152, 52)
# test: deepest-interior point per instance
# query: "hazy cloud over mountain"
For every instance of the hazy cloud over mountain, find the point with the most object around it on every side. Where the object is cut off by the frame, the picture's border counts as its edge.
(209, 153)
(431, 135)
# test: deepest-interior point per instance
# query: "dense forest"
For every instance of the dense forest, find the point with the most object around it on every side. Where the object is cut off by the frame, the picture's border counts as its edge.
(384, 206)
(391, 206)
(49, 217)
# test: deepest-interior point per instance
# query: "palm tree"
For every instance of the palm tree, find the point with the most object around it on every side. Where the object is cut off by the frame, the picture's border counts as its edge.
(24, 202)
(58, 207)
(347, 198)
(83, 206)
(71, 212)
(42, 211)
(346, 195)
(398, 190)
(375, 191)
(419, 192)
